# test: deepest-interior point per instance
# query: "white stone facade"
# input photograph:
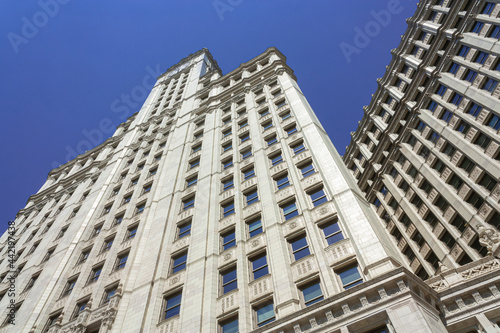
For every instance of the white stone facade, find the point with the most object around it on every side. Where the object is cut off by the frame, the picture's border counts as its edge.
(157, 229)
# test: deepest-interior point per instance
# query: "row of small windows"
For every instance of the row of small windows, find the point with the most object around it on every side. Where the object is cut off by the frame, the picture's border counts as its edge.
(263, 312)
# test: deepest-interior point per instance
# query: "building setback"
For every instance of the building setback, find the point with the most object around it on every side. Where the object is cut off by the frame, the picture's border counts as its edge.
(222, 206)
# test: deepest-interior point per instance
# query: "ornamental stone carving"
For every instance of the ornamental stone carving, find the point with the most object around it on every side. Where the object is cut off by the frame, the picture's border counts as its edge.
(490, 239)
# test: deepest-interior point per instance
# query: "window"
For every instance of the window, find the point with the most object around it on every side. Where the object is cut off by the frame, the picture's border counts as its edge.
(466, 164)
(490, 85)
(188, 203)
(494, 122)
(197, 136)
(191, 181)
(482, 141)
(420, 126)
(127, 199)
(488, 182)
(121, 261)
(475, 200)
(31, 282)
(495, 32)
(107, 244)
(267, 124)
(194, 163)
(95, 273)
(464, 50)
(307, 169)
(134, 182)
(318, 197)
(244, 137)
(252, 197)
(80, 306)
(184, 229)
(433, 137)
(229, 326)
(118, 219)
(242, 124)
(457, 98)
(172, 305)
(291, 130)
(227, 146)
(481, 57)
(229, 280)
(432, 106)
(259, 266)
(254, 227)
(227, 163)
(84, 256)
(312, 293)
(140, 167)
(228, 208)
(300, 248)
(271, 140)
(152, 172)
(488, 8)
(285, 116)
(441, 90)
(456, 182)
(471, 76)
(226, 120)
(51, 321)
(47, 255)
(106, 210)
(453, 68)
(298, 148)
(441, 203)
(290, 210)
(61, 233)
(248, 173)
(227, 184)
(179, 262)
(265, 314)
(449, 150)
(332, 232)
(463, 127)
(228, 240)
(474, 110)
(70, 284)
(264, 112)
(131, 232)
(282, 182)
(478, 26)
(350, 277)
(246, 154)
(196, 149)
(226, 133)
(276, 159)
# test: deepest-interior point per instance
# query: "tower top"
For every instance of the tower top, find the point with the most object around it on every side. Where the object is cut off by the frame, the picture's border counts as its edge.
(189, 60)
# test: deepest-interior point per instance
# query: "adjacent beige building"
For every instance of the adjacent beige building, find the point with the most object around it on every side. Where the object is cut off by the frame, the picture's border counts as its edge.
(222, 206)
(426, 153)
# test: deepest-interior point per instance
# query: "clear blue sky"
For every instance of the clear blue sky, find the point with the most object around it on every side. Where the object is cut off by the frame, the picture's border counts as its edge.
(65, 62)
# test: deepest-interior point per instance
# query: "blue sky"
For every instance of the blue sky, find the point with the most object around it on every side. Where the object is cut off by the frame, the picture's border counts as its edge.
(65, 65)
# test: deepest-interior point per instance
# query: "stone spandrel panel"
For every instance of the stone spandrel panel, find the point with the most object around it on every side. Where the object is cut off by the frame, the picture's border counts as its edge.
(304, 268)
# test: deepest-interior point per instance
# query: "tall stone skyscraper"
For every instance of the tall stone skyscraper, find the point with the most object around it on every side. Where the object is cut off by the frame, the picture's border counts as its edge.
(426, 153)
(221, 206)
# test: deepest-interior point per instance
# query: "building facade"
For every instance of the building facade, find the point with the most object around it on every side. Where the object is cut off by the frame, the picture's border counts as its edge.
(221, 206)
(426, 152)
